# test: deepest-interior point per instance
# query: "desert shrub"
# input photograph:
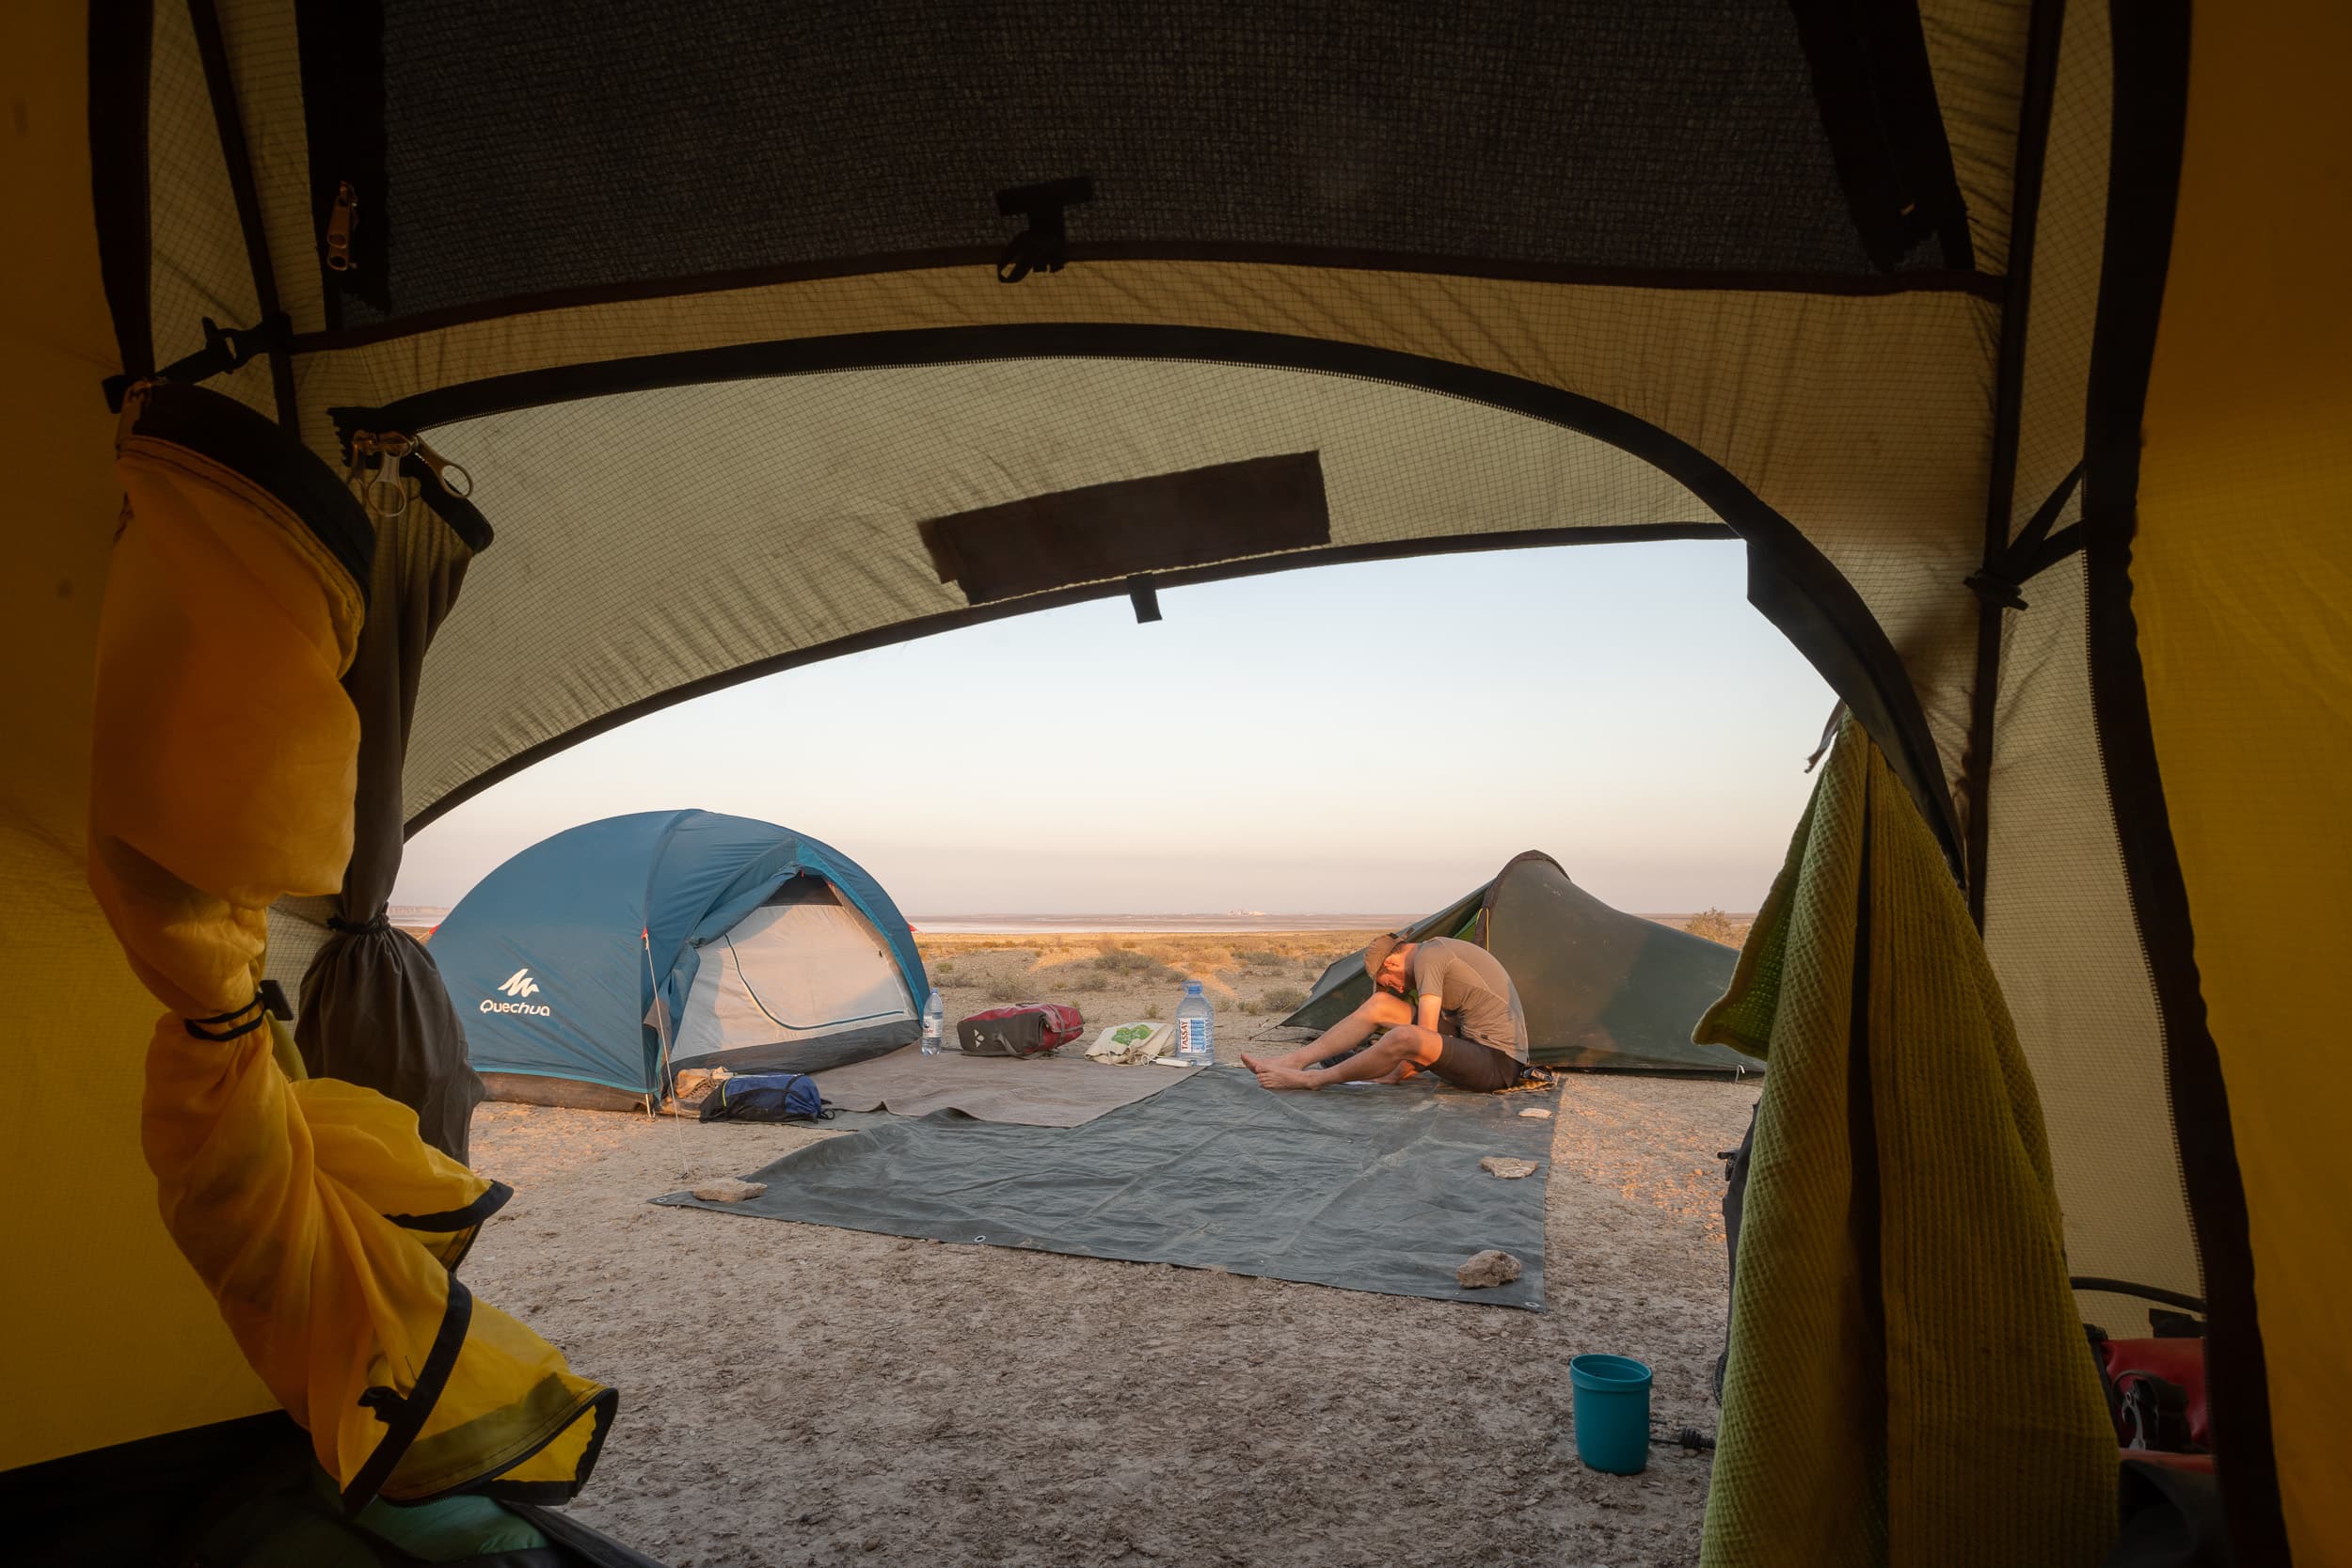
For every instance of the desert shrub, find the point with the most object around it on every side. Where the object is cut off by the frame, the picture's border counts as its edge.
(1224, 1004)
(1715, 925)
(1008, 990)
(1152, 1011)
(1282, 998)
(1128, 964)
(945, 969)
(1088, 980)
(1266, 957)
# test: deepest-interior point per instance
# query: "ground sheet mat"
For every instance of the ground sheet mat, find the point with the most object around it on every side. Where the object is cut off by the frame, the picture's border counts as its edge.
(1373, 1188)
(1041, 1091)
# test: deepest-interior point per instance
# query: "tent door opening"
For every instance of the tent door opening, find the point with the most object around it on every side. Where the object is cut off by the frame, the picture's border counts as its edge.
(803, 967)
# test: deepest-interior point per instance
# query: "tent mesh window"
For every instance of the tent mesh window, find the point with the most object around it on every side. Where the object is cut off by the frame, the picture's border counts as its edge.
(201, 269)
(1678, 135)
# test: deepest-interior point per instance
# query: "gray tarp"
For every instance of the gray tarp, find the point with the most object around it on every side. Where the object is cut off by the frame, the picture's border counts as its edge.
(1041, 1092)
(1375, 1188)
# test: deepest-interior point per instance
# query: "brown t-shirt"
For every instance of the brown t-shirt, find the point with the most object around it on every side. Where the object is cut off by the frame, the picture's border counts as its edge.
(1475, 997)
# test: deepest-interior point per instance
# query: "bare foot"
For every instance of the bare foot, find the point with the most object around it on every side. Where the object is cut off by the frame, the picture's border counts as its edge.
(1282, 1078)
(1252, 1063)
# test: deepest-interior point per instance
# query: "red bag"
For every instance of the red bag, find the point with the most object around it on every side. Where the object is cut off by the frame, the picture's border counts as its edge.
(1025, 1029)
(2156, 1392)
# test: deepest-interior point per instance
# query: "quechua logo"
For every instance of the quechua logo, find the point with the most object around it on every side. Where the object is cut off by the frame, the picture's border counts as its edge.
(518, 985)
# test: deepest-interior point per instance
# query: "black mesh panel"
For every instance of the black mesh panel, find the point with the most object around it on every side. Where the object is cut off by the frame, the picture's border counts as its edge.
(530, 148)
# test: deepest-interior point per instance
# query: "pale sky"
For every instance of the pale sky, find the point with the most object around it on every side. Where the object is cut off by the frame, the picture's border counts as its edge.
(1373, 738)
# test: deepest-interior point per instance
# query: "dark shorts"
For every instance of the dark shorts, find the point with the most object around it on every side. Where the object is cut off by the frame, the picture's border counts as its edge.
(1468, 1064)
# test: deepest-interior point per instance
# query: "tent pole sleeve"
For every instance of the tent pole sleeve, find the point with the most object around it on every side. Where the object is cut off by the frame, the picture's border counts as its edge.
(222, 88)
(2033, 140)
(122, 43)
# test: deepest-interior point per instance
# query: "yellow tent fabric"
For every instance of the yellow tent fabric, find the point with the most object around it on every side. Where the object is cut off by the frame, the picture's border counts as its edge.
(326, 1230)
(2242, 574)
(1900, 1319)
(71, 1120)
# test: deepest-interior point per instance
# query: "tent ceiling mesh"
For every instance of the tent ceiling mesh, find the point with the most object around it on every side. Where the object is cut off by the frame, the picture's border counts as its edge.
(1683, 135)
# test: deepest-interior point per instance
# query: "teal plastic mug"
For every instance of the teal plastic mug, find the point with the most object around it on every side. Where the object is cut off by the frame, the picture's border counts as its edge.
(1610, 1401)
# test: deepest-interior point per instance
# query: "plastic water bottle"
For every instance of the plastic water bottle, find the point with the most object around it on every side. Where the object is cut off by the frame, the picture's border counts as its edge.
(934, 1022)
(1195, 1025)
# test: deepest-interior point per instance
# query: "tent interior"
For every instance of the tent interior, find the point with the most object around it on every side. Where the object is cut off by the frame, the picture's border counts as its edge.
(801, 970)
(2008, 338)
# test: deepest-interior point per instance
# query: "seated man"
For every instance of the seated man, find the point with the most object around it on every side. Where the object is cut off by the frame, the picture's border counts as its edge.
(1465, 1025)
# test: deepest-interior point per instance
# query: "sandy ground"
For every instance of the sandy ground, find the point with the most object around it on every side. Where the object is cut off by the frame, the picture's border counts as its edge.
(796, 1394)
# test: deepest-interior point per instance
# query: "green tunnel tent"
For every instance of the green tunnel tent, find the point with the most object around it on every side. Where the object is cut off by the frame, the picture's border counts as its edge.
(1604, 991)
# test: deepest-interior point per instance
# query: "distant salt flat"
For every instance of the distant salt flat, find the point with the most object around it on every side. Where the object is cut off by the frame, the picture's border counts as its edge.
(420, 917)
(1177, 925)
(1050, 924)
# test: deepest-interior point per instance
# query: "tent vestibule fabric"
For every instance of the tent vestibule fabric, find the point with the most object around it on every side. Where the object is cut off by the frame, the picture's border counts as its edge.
(373, 1010)
(585, 962)
(1603, 991)
(794, 982)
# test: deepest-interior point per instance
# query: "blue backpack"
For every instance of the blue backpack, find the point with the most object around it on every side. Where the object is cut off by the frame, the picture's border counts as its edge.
(765, 1097)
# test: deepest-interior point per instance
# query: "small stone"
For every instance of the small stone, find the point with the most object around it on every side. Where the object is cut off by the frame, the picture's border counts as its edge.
(1489, 1267)
(1500, 1164)
(729, 1190)
(1537, 1113)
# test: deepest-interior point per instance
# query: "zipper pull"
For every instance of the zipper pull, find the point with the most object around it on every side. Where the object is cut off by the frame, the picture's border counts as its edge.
(384, 496)
(387, 497)
(443, 486)
(133, 403)
(451, 477)
(340, 224)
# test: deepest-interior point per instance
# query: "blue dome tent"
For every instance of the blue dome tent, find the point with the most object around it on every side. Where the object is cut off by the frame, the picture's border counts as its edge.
(585, 961)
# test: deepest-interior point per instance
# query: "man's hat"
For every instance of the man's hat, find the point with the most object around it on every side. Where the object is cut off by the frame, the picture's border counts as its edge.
(1377, 954)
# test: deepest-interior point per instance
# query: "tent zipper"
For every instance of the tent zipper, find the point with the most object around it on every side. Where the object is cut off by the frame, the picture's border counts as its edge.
(383, 484)
(2139, 933)
(340, 222)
